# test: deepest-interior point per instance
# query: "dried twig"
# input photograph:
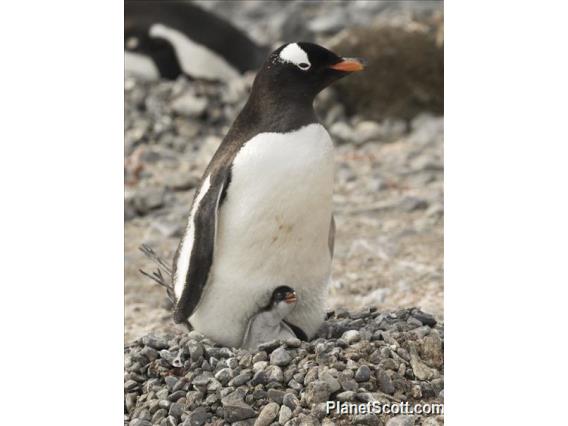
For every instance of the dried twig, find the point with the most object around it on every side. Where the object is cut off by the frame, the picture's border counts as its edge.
(158, 276)
(162, 280)
(150, 253)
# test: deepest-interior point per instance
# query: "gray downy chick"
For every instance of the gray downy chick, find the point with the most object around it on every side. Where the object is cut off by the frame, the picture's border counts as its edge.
(269, 323)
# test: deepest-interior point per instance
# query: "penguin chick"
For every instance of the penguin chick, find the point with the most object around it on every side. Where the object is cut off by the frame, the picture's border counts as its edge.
(269, 323)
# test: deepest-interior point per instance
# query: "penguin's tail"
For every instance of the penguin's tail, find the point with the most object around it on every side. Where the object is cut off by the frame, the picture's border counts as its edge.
(158, 276)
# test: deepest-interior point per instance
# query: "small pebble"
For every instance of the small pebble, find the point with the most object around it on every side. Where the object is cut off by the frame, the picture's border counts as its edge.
(363, 374)
(267, 415)
(401, 420)
(351, 336)
(285, 414)
(280, 357)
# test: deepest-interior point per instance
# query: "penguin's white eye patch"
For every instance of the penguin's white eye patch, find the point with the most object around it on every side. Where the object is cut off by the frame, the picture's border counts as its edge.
(295, 55)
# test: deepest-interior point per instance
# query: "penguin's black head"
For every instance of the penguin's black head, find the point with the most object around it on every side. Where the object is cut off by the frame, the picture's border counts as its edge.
(304, 69)
(283, 294)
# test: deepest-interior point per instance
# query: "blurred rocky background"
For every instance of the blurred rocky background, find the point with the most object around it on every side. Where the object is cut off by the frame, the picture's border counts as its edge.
(387, 125)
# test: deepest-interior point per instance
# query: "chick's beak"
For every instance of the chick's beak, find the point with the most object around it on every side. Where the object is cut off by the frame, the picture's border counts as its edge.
(349, 65)
(290, 298)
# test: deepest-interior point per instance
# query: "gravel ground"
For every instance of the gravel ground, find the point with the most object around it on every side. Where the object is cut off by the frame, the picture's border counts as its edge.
(185, 379)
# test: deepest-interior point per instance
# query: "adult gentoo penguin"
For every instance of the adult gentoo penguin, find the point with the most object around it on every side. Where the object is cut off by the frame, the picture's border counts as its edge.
(270, 323)
(262, 215)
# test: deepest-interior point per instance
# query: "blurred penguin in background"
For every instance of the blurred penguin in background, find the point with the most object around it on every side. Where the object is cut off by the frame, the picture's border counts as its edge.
(168, 39)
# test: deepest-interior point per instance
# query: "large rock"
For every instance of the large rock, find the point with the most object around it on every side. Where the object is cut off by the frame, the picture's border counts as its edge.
(198, 417)
(384, 382)
(267, 415)
(280, 357)
(331, 381)
(235, 409)
(316, 392)
(421, 370)
(285, 415)
(432, 352)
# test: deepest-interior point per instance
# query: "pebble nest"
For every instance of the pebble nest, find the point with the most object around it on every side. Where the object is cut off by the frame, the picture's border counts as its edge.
(187, 379)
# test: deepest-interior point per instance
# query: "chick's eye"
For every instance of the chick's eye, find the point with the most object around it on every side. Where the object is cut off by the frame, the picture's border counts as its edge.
(303, 65)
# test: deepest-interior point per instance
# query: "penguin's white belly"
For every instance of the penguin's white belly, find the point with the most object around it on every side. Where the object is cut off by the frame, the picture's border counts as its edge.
(272, 230)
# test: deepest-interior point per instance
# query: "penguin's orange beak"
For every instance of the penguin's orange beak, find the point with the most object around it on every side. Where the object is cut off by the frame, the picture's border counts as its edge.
(349, 65)
(290, 298)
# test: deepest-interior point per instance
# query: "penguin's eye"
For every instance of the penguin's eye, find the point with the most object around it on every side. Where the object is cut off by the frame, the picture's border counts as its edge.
(304, 66)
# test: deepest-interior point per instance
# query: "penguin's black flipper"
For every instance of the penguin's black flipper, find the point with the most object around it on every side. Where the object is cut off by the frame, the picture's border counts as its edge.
(204, 228)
